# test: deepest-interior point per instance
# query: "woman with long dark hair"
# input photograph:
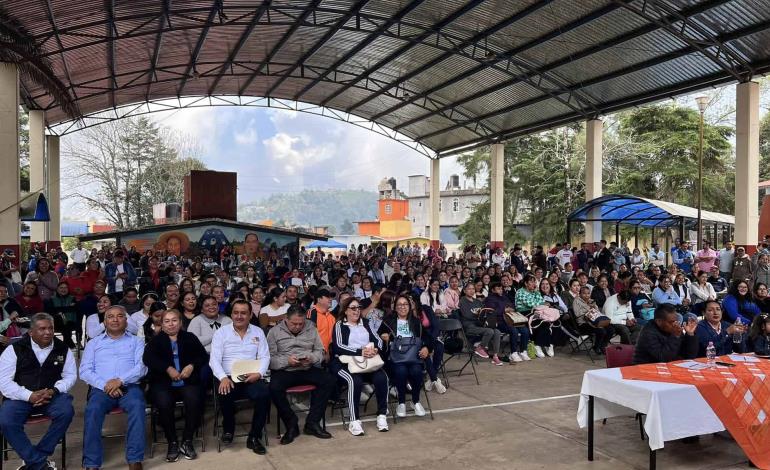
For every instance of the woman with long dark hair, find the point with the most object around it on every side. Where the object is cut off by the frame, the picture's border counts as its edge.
(190, 308)
(274, 308)
(739, 303)
(434, 298)
(407, 346)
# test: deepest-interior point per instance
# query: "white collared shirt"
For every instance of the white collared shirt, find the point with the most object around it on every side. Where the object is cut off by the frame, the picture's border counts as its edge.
(13, 391)
(227, 346)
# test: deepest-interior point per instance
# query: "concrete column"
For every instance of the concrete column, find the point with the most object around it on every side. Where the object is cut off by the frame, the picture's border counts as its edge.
(434, 198)
(9, 158)
(746, 164)
(593, 175)
(497, 185)
(37, 169)
(54, 191)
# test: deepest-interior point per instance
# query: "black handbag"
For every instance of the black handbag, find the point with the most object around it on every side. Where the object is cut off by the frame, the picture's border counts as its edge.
(405, 349)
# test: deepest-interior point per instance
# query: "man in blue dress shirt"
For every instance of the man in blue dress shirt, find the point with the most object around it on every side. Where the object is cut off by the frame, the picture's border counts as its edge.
(235, 342)
(112, 365)
(36, 374)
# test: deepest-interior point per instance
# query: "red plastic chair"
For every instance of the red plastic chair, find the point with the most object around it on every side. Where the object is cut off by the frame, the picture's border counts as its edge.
(622, 355)
(619, 355)
(34, 419)
(297, 390)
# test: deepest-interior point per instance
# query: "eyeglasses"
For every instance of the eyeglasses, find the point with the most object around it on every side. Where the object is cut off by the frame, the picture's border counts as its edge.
(354, 307)
(402, 305)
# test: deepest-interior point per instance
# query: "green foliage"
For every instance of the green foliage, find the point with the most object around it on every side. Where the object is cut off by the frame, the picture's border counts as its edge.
(764, 148)
(70, 243)
(335, 208)
(649, 152)
(24, 150)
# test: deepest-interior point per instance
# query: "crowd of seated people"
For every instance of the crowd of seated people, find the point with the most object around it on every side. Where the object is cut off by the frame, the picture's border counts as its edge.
(163, 329)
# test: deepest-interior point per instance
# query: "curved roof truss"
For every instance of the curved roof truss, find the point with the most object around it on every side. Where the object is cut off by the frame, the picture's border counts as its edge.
(449, 74)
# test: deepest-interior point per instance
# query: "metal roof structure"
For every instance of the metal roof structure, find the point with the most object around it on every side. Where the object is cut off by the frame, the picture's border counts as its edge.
(443, 75)
(642, 212)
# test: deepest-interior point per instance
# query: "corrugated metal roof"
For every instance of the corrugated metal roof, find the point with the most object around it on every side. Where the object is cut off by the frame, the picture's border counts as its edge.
(461, 73)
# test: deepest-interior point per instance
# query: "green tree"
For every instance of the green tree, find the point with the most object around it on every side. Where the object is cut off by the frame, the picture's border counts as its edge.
(123, 167)
(764, 148)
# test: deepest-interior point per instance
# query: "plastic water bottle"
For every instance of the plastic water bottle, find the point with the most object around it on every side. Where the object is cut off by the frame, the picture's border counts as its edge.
(738, 336)
(711, 354)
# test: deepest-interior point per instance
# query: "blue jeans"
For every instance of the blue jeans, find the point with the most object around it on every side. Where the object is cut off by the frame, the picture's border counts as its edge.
(407, 371)
(519, 336)
(434, 361)
(13, 415)
(99, 404)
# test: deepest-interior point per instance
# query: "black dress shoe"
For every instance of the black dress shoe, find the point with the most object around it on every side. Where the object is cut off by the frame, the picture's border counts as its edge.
(256, 445)
(227, 438)
(315, 429)
(290, 434)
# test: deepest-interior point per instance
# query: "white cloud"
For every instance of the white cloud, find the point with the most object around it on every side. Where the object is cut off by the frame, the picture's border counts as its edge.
(297, 151)
(247, 136)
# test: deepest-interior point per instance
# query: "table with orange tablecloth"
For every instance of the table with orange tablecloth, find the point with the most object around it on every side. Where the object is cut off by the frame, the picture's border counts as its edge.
(681, 402)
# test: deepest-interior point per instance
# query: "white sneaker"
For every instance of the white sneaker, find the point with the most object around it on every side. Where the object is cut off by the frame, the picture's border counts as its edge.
(428, 385)
(440, 387)
(524, 356)
(549, 350)
(418, 409)
(355, 428)
(539, 352)
(382, 423)
(514, 357)
(401, 410)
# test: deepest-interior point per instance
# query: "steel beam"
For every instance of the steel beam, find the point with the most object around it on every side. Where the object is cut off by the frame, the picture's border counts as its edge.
(278, 45)
(198, 46)
(164, 18)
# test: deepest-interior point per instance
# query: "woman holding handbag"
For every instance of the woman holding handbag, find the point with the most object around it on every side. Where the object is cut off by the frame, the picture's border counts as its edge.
(355, 349)
(408, 346)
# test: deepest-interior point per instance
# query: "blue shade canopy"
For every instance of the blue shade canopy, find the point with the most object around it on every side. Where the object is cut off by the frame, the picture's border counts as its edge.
(643, 212)
(34, 208)
(327, 244)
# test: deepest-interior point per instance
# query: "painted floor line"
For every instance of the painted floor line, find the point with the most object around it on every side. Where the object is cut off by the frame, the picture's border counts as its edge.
(476, 407)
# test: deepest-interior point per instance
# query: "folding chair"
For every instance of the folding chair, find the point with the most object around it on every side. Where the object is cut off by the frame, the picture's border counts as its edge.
(622, 355)
(298, 390)
(32, 420)
(450, 326)
(217, 412)
(576, 340)
(200, 433)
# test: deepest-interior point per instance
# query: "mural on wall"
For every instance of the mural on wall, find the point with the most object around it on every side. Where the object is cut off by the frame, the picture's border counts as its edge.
(247, 243)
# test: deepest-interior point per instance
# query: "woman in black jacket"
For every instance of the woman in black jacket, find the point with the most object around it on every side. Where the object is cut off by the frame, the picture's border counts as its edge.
(353, 338)
(174, 358)
(405, 327)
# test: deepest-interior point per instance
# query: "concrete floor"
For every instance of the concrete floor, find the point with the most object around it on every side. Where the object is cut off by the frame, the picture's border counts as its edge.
(522, 416)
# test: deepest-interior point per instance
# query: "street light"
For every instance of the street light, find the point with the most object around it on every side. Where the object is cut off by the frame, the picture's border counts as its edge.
(702, 103)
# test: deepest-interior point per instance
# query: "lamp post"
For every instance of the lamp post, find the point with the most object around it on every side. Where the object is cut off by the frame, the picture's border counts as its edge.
(702, 103)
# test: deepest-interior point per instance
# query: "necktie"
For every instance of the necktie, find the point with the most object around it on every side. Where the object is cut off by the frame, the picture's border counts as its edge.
(215, 325)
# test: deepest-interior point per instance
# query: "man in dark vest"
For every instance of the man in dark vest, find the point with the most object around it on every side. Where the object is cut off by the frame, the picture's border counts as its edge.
(36, 374)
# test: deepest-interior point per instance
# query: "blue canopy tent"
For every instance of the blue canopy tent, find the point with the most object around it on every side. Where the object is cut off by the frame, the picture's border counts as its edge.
(623, 209)
(332, 244)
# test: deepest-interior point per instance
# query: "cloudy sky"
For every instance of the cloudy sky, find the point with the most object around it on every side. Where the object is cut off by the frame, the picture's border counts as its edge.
(276, 151)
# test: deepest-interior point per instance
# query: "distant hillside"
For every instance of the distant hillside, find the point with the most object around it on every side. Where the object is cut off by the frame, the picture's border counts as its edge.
(335, 208)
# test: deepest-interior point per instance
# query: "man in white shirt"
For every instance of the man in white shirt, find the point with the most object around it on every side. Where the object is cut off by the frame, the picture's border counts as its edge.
(36, 374)
(620, 312)
(232, 343)
(79, 256)
(655, 256)
(725, 259)
(564, 255)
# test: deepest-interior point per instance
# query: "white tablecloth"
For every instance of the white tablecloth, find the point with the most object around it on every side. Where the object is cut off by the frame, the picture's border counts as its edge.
(674, 411)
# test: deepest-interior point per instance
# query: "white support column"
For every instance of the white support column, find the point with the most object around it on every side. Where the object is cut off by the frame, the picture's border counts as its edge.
(37, 170)
(54, 191)
(497, 177)
(434, 199)
(593, 175)
(746, 165)
(9, 158)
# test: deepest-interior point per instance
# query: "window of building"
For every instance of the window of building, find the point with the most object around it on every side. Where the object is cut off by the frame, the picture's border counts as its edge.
(388, 209)
(456, 204)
